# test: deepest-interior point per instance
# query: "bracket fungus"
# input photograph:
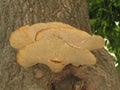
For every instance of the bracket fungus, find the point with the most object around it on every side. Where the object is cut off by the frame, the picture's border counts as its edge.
(54, 44)
(76, 37)
(55, 53)
(20, 37)
(26, 34)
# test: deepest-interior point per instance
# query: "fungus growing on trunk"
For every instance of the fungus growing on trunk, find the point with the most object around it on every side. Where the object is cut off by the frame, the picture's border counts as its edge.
(26, 34)
(75, 37)
(54, 44)
(55, 53)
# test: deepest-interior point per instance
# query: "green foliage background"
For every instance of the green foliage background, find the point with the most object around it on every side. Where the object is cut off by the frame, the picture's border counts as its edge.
(103, 17)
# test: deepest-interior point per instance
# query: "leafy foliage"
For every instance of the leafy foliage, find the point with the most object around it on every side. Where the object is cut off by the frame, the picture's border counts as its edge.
(105, 20)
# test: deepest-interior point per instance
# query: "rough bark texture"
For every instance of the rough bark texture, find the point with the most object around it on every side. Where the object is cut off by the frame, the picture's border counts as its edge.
(15, 13)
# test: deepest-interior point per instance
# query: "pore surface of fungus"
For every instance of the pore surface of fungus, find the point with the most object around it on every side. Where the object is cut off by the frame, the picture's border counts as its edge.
(55, 53)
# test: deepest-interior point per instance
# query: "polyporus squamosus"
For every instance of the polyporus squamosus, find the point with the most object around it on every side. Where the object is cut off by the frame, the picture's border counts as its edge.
(55, 53)
(54, 44)
(74, 37)
(26, 34)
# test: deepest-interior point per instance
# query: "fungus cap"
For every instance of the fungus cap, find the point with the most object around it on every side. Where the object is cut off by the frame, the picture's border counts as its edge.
(92, 43)
(26, 34)
(55, 53)
(20, 37)
(74, 37)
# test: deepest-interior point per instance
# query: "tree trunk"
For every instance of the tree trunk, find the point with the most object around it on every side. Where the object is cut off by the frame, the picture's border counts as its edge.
(16, 13)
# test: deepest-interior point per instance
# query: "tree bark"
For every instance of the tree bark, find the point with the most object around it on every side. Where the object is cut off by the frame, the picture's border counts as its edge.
(16, 13)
